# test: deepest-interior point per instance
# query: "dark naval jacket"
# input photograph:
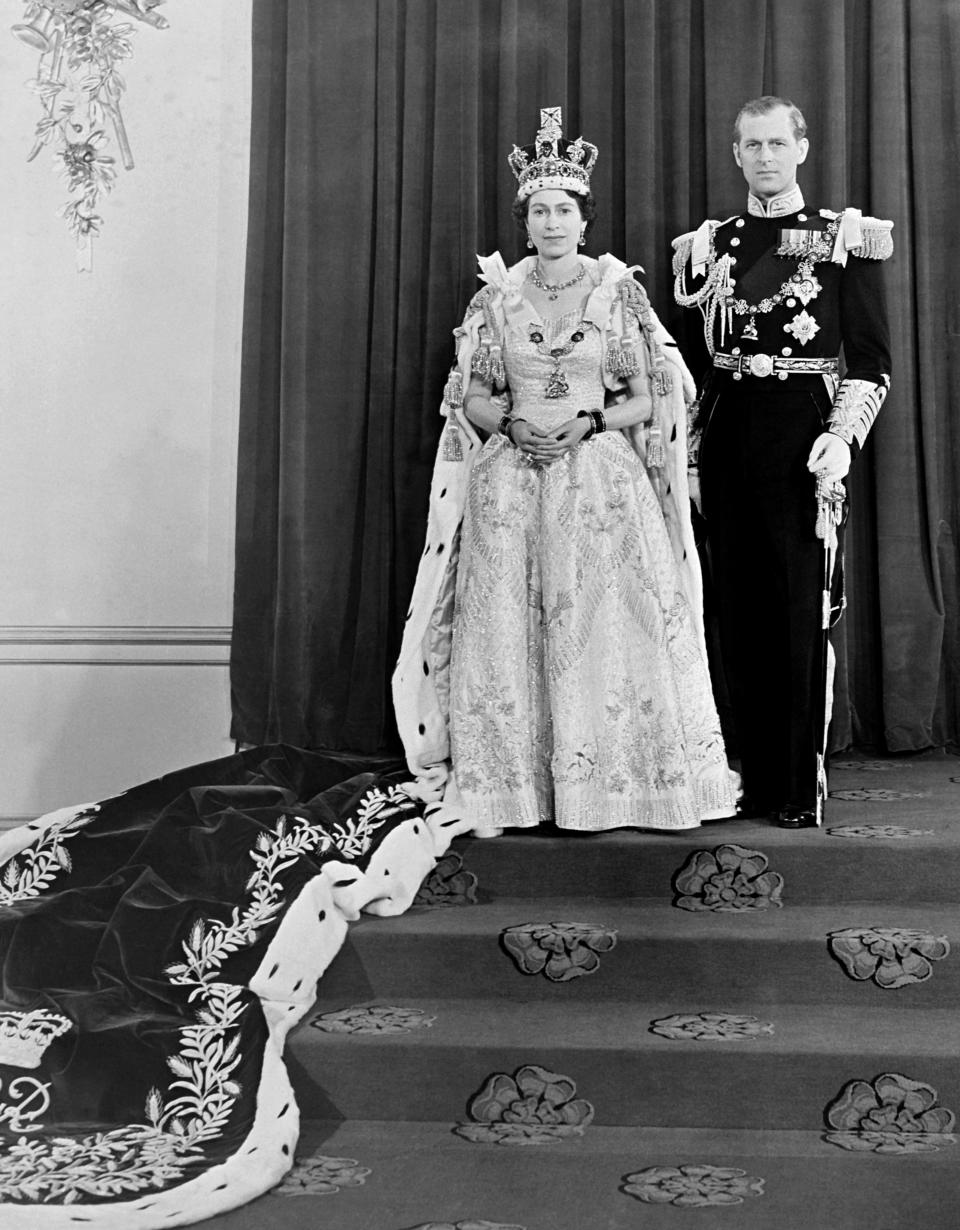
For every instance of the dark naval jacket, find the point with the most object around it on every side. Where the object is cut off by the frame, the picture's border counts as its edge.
(784, 291)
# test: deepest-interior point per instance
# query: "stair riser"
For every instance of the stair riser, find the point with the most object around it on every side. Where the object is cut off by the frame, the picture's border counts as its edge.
(422, 1173)
(827, 871)
(727, 973)
(707, 1085)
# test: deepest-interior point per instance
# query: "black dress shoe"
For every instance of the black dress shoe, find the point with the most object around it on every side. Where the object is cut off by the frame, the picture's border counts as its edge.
(749, 808)
(795, 818)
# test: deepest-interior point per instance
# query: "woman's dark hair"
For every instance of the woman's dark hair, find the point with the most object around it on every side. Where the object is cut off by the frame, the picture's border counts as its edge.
(585, 203)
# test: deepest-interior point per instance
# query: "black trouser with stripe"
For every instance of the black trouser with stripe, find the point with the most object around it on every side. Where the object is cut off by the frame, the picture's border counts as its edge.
(759, 502)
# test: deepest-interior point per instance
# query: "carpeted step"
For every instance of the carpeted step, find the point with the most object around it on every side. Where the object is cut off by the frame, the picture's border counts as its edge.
(398, 1176)
(817, 866)
(783, 1080)
(753, 957)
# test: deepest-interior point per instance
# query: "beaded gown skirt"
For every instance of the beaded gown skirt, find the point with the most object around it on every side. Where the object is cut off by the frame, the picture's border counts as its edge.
(578, 691)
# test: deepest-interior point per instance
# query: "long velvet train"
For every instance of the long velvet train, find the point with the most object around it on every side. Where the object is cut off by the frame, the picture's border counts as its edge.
(157, 948)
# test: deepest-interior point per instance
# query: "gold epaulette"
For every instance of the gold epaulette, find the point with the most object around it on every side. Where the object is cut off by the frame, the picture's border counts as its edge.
(684, 242)
(877, 242)
(682, 247)
(877, 239)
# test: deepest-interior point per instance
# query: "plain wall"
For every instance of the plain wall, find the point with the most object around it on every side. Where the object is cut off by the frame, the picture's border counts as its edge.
(118, 411)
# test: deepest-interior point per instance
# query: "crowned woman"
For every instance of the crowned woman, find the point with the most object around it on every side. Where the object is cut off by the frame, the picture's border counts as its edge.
(553, 668)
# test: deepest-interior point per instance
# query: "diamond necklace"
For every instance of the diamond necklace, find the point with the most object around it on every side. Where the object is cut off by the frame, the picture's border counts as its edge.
(553, 292)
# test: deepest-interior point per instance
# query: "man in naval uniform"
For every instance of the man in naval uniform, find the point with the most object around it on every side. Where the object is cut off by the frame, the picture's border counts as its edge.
(785, 290)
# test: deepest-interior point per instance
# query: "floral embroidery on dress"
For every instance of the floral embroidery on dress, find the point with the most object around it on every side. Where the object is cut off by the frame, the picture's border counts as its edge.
(578, 690)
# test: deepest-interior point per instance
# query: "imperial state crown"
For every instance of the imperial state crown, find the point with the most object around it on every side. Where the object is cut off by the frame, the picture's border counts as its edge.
(552, 161)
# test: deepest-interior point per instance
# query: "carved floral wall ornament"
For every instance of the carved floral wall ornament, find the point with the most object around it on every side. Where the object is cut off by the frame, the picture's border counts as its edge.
(692, 1186)
(891, 956)
(81, 44)
(449, 883)
(532, 1107)
(559, 950)
(321, 1176)
(711, 1027)
(891, 1114)
(729, 878)
(878, 832)
(373, 1020)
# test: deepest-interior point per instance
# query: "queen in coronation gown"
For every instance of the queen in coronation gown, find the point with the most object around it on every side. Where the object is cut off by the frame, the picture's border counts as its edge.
(554, 666)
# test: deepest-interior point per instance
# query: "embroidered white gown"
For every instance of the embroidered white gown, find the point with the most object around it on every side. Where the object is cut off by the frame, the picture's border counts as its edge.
(578, 689)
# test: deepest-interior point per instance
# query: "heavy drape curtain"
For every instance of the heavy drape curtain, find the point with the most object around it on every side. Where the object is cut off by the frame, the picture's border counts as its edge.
(379, 138)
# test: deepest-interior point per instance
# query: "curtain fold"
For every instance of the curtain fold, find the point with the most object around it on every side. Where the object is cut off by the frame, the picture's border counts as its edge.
(379, 140)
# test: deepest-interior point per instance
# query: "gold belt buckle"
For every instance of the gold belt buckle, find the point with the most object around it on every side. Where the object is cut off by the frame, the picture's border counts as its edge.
(760, 365)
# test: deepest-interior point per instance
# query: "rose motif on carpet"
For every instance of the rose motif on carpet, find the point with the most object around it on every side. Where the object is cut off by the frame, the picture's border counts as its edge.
(449, 883)
(891, 1114)
(559, 950)
(471, 1224)
(865, 766)
(727, 878)
(322, 1176)
(692, 1186)
(384, 1019)
(891, 956)
(878, 832)
(878, 795)
(711, 1027)
(532, 1107)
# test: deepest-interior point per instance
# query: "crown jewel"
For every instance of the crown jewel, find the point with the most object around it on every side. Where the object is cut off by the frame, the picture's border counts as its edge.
(24, 1036)
(552, 162)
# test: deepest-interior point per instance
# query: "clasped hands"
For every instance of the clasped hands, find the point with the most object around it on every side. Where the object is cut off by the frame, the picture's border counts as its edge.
(545, 447)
